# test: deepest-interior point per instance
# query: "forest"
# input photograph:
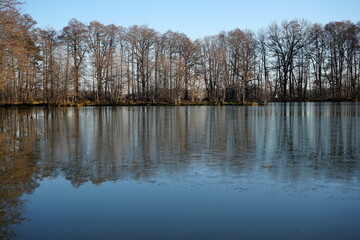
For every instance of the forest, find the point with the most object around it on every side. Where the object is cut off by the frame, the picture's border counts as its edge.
(91, 62)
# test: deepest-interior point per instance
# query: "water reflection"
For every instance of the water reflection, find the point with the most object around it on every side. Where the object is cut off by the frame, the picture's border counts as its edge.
(108, 144)
(291, 143)
(18, 171)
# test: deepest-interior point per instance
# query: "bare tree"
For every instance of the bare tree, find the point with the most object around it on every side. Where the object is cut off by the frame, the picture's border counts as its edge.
(213, 68)
(48, 43)
(263, 71)
(75, 35)
(317, 58)
(101, 43)
(284, 44)
(141, 40)
(18, 53)
(294, 60)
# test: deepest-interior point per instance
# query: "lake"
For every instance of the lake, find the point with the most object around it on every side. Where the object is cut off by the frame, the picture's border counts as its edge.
(281, 171)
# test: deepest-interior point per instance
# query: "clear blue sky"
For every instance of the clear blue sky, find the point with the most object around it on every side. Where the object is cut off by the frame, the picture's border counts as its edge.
(196, 18)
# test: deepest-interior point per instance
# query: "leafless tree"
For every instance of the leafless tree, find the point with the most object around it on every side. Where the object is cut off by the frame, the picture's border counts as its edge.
(285, 43)
(75, 35)
(294, 60)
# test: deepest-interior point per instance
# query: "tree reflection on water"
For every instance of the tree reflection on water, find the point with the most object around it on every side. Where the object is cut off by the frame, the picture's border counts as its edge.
(295, 142)
(18, 170)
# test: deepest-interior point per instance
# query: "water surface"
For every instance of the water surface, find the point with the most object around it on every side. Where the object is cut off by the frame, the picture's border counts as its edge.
(282, 171)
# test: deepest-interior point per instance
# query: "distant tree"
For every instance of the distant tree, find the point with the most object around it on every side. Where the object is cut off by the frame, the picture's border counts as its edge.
(190, 54)
(172, 66)
(285, 43)
(48, 42)
(242, 63)
(317, 57)
(291, 61)
(342, 42)
(75, 35)
(141, 40)
(215, 67)
(101, 43)
(18, 53)
(264, 85)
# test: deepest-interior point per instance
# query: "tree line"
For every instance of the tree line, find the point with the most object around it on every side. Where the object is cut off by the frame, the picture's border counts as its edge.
(292, 61)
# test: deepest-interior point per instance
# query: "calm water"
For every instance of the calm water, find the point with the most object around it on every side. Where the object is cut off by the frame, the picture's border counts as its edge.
(282, 171)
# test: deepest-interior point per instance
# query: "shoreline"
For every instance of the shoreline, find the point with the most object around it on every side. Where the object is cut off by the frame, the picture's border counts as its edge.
(144, 103)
